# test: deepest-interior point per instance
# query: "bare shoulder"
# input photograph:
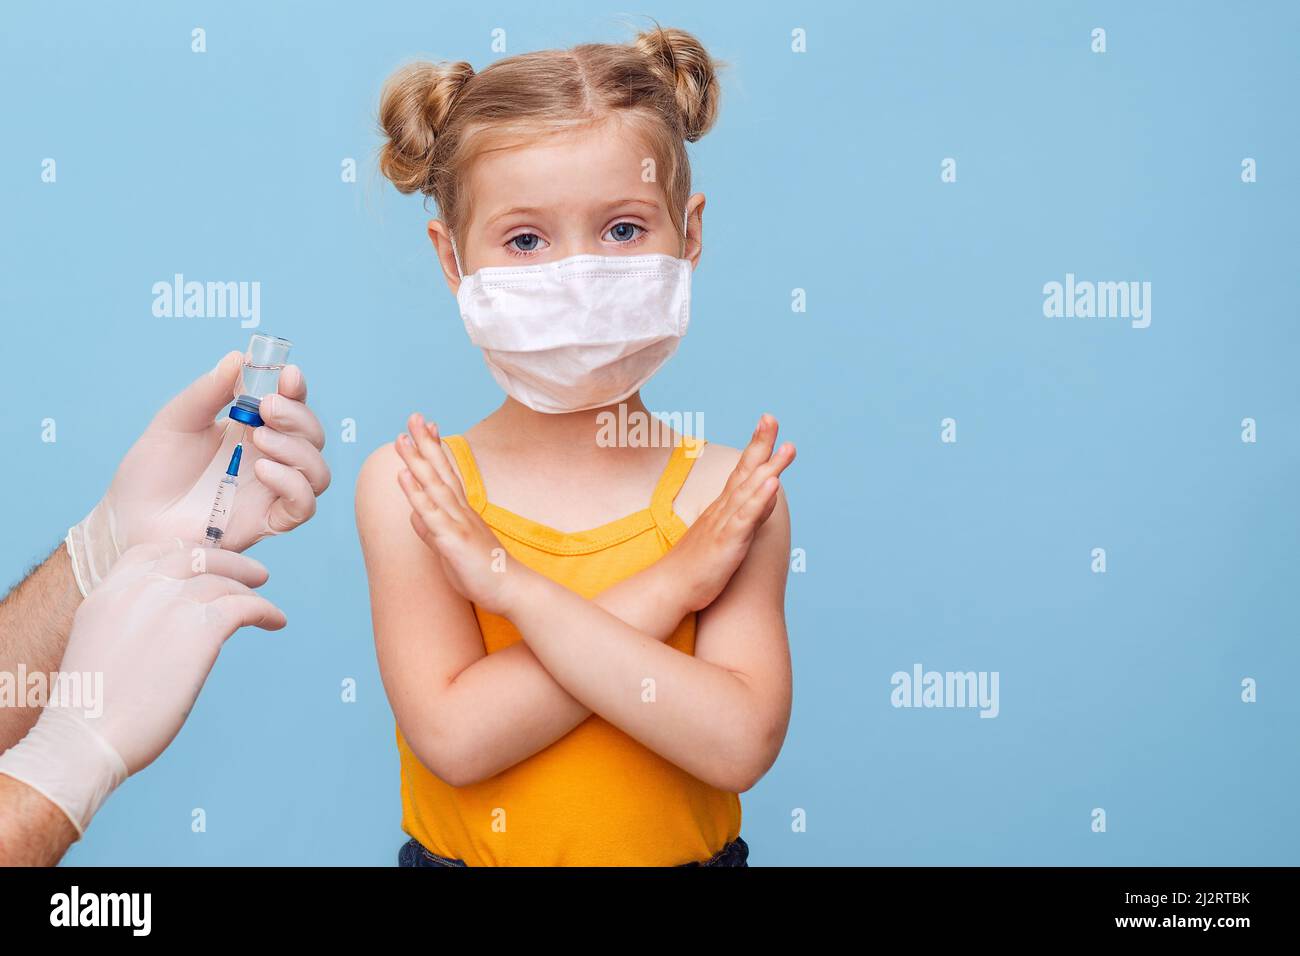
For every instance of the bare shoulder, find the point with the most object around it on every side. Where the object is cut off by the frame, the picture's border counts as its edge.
(707, 479)
(708, 476)
(377, 482)
(377, 489)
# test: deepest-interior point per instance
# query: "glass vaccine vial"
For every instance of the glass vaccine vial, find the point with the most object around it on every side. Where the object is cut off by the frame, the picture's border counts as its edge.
(263, 362)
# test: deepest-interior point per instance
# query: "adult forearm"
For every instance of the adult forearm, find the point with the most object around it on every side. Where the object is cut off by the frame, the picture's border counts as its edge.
(33, 831)
(35, 618)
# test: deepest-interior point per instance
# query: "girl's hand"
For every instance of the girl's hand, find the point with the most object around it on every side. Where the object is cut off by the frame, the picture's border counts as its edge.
(473, 558)
(719, 539)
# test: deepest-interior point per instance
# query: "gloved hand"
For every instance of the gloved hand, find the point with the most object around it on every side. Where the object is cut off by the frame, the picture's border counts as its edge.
(153, 629)
(164, 487)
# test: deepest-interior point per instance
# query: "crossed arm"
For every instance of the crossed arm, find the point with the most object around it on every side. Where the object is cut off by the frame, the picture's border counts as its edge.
(721, 714)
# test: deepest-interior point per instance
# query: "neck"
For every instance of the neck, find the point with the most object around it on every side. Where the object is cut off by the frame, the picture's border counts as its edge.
(573, 430)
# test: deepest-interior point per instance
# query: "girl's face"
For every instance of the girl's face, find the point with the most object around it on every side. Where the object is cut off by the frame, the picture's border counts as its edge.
(569, 194)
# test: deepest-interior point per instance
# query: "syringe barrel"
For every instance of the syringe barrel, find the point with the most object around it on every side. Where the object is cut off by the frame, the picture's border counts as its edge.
(219, 517)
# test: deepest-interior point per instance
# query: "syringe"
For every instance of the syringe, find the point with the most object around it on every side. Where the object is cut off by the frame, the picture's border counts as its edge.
(225, 500)
(263, 362)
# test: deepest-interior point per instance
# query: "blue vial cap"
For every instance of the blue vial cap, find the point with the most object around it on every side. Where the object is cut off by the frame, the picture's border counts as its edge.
(246, 416)
(233, 468)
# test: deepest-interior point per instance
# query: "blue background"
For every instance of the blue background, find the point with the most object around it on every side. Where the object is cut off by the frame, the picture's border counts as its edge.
(1119, 691)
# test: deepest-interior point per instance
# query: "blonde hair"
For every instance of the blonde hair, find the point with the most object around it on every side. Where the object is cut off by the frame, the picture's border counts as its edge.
(439, 117)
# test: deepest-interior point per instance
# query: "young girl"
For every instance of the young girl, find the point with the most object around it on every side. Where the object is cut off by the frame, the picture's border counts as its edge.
(583, 641)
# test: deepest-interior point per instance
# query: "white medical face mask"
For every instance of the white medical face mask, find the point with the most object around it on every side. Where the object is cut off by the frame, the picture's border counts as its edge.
(578, 333)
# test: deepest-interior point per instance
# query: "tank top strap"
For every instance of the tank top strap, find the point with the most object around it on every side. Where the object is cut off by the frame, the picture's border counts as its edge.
(469, 474)
(680, 463)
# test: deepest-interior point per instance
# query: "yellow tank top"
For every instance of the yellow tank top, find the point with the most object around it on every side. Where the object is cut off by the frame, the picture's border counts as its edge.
(595, 797)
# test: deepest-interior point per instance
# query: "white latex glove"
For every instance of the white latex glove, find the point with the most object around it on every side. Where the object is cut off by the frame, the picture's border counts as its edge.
(164, 487)
(153, 629)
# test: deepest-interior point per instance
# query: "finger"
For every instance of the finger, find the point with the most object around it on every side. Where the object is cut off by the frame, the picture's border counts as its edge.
(205, 588)
(295, 502)
(758, 507)
(424, 473)
(292, 417)
(778, 463)
(296, 452)
(293, 384)
(425, 504)
(194, 561)
(771, 468)
(433, 448)
(422, 530)
(455, 481)
(420, 527)
(427, 441)
(414, 492)
(234, 611)
(435, 518)
(756, 452)
(768, 508)
(150, 552)
(445, 498)
(194, 409)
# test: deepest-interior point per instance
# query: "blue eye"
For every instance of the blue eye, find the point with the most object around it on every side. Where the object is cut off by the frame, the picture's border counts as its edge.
(625, 231)
(525, 242)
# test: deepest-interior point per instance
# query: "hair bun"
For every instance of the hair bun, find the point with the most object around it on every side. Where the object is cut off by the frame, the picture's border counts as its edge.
(685, 66)
(413, 111)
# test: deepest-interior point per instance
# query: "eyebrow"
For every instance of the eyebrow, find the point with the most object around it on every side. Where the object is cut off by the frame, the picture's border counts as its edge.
(516, 210)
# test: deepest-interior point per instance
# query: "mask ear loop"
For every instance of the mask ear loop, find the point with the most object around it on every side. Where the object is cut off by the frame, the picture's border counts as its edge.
(455, 255)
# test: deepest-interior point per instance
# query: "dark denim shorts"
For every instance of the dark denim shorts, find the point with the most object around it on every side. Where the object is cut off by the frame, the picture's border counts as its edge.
(735, 853)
